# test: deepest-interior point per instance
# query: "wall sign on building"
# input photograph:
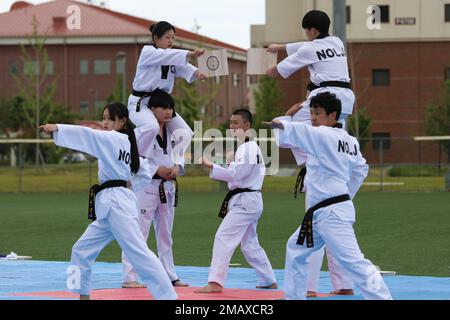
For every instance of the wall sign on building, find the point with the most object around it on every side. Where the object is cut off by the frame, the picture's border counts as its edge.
(405, 21)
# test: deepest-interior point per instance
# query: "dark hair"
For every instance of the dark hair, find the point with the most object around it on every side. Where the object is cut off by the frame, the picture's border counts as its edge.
(318, 20)
(119, 111)
(328, 101)
(245, 114)
(158, 29)
(161, 99)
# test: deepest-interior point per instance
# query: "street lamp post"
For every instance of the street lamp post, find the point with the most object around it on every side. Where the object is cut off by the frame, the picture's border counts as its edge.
(123, 56)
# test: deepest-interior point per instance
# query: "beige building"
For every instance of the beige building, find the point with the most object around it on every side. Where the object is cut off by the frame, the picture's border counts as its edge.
(401, 20)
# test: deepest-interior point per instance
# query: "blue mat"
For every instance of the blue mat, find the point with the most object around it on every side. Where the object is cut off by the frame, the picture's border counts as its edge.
(36, 276)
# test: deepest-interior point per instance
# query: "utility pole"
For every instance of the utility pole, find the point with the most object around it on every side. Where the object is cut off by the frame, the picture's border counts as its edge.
(340, 30)
(38, 106)
(339, 20)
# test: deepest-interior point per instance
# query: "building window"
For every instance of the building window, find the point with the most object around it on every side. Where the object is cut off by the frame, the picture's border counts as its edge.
(447, 74)
(84, 107)
(99, 105)
(381, 141)
(347, 14)
(31, 67)
(380, 77)
(384, 14)
(84, 67)
(13, 68)
(218, 111)
(447, 12)
(102, 67)
(249, 81)
(236, 79)
(120, 68)
(49, 69)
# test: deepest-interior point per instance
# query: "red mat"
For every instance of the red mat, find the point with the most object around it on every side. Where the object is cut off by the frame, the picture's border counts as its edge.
(184, 293)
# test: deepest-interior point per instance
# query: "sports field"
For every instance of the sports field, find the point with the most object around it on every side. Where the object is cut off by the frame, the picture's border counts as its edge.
(404, 232)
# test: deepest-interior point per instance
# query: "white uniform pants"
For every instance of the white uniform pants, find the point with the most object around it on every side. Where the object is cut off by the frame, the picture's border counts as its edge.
(339, 279)
(338, 235)
(162, 216)
(147, 128)
(239, 226)
(121, 224)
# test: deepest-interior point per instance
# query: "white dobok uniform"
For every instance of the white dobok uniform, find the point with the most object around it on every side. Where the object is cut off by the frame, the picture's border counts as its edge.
(326, 60)
(244, 210)
(157, 69)
(335, 167)
(161, 214)
(116, 210)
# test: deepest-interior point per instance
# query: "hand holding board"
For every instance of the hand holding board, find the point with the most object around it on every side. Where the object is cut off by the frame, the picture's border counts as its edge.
(259, 60)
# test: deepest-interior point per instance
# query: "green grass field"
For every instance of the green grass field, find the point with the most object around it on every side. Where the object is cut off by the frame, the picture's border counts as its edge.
(78, 178)
(405, 232)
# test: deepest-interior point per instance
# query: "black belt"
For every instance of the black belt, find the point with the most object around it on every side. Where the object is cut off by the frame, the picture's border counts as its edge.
(300, 181)
(141, 95)
(162, 191)
(306, 228)
(224, 208)
(339, 84)
(95, 189)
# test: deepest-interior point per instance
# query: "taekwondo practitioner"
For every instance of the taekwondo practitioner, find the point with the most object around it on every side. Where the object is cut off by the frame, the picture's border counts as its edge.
(112, 206)
(326, 59)
(336, 170)
(157, 67)
(241, 209)
(158, 199)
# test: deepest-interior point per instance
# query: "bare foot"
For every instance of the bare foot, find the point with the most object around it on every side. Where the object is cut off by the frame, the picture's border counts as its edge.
(85, 297)
(311, 294)
(343, 292)
(272, 286)
(178, 283)
(212, 287)
(132, 284)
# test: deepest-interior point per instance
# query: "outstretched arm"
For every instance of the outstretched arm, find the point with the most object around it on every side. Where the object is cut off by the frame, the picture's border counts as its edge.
(274, 124)
(87, 140)
(240, 168)
(177, 57)
(274, 48)
(294, 109)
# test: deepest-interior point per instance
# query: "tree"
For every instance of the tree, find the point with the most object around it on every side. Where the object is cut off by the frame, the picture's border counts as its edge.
(268, 98)
(11, 115)
(36, 91)
(117, 94)
(190, 98)
(364, 122)
(437, 118)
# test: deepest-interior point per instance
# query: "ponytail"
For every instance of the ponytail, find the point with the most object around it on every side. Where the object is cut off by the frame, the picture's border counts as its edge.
(118, 110)
(129, 131)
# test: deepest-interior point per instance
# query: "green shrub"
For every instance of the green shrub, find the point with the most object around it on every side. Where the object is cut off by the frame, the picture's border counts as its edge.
(415, 171)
